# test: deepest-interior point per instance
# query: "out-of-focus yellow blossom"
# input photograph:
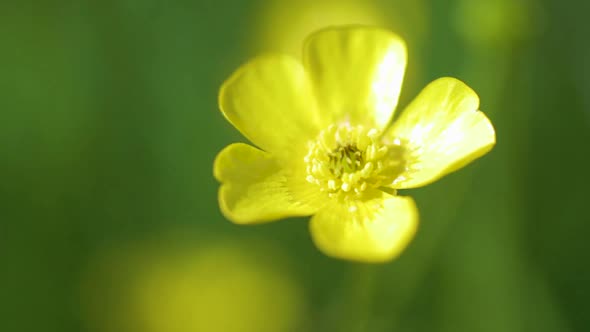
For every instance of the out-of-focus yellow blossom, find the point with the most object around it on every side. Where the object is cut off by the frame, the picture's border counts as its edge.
(326, 147)
(209, 287)
(281, 26)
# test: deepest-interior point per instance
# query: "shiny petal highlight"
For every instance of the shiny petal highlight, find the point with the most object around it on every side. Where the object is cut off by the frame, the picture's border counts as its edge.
(443, 130)
(357, 74)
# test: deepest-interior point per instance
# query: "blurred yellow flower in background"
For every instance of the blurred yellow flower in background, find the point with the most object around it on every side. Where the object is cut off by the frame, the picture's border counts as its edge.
(229, 286)
(282, 26)
(326, 147)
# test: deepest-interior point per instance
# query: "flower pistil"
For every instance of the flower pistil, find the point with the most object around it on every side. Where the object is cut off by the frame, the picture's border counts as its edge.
(345, 160)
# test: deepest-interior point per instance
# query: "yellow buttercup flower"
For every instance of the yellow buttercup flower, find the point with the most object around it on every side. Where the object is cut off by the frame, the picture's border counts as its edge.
(326, 147)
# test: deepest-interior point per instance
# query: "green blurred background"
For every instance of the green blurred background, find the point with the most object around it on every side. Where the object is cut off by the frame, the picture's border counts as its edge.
(108, 215)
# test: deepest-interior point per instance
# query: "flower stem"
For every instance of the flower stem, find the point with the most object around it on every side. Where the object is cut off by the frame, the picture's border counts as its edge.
(360, 303)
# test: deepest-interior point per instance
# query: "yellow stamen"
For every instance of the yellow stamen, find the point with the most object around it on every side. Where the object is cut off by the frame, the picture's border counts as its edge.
(346, 160)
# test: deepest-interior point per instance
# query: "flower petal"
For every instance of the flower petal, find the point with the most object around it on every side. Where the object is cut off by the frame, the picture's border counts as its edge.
(357, 74)
(269, 100)
(373, 231)
(255, 189)
(443, 131)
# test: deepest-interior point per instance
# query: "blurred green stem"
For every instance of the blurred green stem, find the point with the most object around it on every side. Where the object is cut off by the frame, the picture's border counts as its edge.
(360, 300)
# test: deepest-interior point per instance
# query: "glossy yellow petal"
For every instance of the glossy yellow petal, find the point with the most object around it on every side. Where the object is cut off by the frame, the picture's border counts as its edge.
(443, 130)
(269, 100)
(376, 230)
(255, 188)
(357, 74)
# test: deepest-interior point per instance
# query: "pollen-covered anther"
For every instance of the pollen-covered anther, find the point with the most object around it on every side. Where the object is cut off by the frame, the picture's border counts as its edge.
(345, 160)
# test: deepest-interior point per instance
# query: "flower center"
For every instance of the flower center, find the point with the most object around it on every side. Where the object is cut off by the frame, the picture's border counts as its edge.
(346, 160)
